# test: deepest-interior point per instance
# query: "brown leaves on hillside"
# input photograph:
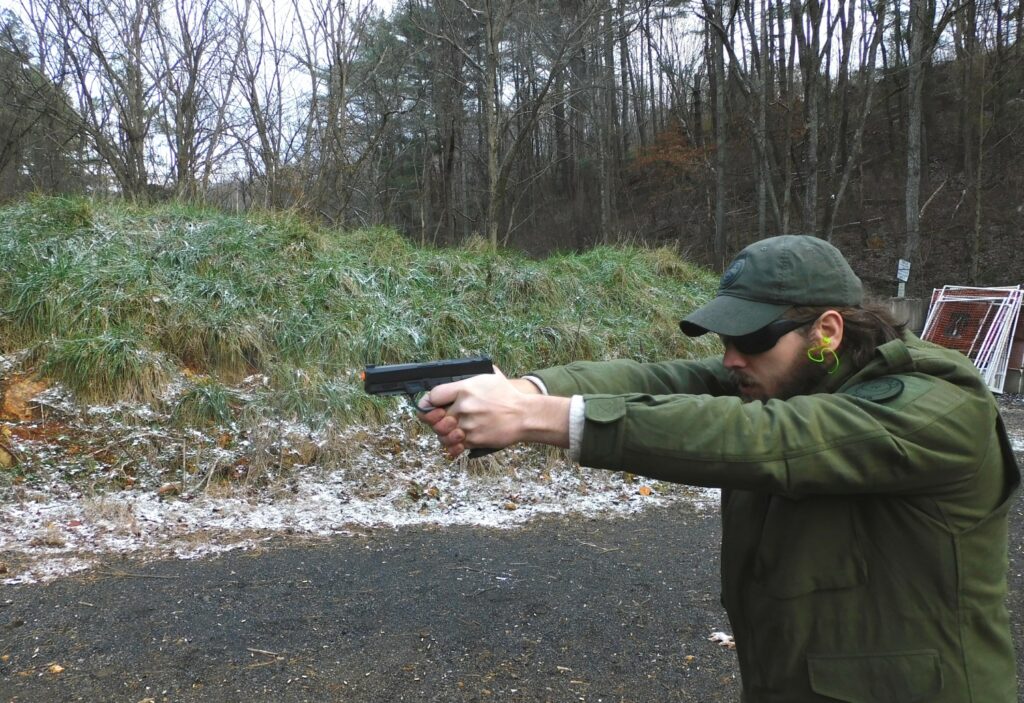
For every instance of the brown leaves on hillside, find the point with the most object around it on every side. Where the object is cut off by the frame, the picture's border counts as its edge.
(670, 162)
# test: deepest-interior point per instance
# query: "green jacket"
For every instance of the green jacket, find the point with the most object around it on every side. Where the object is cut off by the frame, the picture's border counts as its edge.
(864, 527)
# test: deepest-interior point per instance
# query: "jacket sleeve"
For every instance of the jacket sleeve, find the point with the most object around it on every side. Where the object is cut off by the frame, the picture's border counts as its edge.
(933, 437)
(706, 376)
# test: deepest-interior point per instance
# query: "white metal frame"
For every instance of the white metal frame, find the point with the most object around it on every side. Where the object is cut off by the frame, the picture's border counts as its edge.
(992, 354)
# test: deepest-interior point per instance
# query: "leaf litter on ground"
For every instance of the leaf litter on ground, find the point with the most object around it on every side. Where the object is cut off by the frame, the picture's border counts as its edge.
(359, 478)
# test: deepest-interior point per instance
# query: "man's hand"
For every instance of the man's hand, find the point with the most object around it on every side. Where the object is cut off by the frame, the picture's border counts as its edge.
(493, 411)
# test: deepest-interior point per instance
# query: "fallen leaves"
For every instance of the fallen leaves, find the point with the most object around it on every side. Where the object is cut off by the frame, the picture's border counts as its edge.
(50, 537)
(7, 456)
(416, 491)
(169, 489)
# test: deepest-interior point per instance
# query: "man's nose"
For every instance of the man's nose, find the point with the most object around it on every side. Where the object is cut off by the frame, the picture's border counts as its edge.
(733, 359)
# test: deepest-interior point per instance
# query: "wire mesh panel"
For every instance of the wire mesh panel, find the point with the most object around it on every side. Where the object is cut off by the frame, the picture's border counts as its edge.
(979, 322)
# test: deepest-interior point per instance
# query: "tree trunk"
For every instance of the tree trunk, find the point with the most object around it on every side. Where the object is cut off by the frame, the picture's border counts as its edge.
(718, 245)
(915, 92)
(976, 235)
(764, 173)
(846, 152)
(624, 131)
(491, 136)
(810, 64)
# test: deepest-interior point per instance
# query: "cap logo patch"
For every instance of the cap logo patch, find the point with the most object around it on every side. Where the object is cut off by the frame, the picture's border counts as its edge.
(732, 273)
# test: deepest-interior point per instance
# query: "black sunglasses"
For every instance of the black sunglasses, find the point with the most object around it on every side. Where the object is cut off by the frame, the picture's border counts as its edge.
(762, 340)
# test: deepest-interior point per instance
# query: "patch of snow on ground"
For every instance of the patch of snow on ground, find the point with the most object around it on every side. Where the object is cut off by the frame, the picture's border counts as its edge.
(94, 479)
(62, 532)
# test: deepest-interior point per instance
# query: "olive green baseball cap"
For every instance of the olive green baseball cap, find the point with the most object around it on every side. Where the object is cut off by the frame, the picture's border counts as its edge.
(771, 276)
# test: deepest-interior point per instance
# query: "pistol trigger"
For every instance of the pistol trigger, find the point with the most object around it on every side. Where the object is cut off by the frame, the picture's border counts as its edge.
(415, 400)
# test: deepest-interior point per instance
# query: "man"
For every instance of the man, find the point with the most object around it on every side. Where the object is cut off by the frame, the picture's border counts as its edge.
(866, 479)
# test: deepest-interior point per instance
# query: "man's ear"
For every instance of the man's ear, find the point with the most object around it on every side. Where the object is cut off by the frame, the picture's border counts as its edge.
(830, 325)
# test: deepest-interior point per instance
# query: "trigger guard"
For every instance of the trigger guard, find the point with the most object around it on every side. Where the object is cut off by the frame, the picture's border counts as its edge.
(415, 400)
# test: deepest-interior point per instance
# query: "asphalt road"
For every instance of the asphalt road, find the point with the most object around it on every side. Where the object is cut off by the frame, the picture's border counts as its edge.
(562, 610)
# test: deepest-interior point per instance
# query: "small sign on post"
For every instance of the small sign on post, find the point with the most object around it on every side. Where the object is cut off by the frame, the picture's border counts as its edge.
(902, 275)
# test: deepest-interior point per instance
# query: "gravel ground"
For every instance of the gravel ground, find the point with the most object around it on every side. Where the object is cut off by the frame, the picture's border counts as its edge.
(559, 610)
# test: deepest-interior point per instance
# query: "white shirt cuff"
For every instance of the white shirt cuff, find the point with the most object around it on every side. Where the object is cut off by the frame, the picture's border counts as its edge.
(577, 419)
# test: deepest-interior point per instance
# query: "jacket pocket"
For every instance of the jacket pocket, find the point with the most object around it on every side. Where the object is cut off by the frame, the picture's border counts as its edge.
(808, 546)
(893, 677)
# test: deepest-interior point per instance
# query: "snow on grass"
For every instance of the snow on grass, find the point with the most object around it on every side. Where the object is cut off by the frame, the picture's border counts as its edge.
(49, 533)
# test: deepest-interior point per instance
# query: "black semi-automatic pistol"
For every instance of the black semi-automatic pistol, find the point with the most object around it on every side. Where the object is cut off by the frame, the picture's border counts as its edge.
(413, 380)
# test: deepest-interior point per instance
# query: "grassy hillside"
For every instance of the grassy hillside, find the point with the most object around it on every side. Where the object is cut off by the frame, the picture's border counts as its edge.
(115, 303)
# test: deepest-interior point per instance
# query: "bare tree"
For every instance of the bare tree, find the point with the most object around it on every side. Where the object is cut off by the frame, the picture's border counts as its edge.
(922, 37)
(755, 85)
(807, 19)
(557, 43)
(441, 83)
(915, 81)
(195, 67)
(718, 41)
(262, 129)
(846, 153)
(335, 146)
(102, 48)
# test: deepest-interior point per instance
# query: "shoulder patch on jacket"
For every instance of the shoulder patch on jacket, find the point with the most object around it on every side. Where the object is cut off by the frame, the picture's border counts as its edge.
(879, 390)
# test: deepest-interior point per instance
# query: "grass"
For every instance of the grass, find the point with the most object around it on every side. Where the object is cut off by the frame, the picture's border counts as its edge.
(110, 365)
(115, 301)
(206, 401)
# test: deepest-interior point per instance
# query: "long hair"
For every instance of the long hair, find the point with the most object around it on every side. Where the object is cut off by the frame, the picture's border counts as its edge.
(865, 328)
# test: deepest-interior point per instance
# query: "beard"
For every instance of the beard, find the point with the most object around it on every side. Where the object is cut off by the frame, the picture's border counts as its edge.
(799, 378)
